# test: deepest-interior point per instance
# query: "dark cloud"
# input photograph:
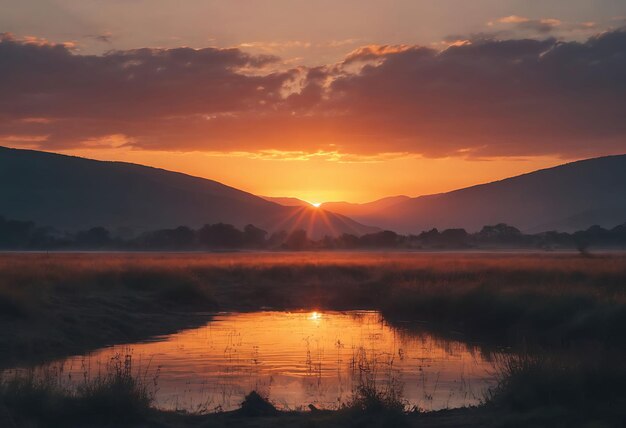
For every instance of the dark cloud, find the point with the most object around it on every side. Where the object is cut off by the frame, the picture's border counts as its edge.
(479, 97)
(495, 97)
(86, 96)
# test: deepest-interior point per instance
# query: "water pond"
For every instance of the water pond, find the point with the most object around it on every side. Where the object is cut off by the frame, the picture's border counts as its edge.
(297, 359)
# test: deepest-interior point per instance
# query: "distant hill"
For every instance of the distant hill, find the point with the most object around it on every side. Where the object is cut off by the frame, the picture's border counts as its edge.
(71, 193)
(569, 197)
(288, 202)
(365, 209)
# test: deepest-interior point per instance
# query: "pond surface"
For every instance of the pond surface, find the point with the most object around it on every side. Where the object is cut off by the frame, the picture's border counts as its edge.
(297, 359)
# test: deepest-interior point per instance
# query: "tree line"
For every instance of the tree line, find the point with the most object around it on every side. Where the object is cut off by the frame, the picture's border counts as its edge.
(26, 235)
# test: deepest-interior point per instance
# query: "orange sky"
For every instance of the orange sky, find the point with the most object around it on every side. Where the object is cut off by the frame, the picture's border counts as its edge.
(323, 180)
(324, 101)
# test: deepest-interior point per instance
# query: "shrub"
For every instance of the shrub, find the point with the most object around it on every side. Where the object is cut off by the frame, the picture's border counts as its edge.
(42, 399)
(550, 391)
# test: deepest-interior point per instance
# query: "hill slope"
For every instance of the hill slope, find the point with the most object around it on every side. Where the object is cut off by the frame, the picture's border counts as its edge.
(71, 193)
(287, 201)
(365, 209)
(569, 197)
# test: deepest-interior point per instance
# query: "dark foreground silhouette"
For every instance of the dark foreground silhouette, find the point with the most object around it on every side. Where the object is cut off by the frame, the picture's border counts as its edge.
(531, 391)
(543, 305)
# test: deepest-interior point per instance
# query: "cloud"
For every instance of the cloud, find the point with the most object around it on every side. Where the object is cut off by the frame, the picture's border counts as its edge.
(273, 47)
(89, 96)
(537, 28)
(493, 97)
(36, 41)
(303, 155)
(480, 97)
(541, 26)
(373, 52)
(513, 19)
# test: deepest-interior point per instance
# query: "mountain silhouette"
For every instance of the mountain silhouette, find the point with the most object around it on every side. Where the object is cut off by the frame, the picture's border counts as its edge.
(566, 198)
(287, 201)
(368, 208)
(71, 193)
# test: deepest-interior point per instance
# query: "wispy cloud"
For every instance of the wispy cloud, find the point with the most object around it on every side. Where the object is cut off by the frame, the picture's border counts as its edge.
(304, 156)
(542, 25)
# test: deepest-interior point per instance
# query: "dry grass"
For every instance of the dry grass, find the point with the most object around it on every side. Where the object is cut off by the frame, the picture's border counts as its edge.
(119, 395)
(545, 390)
(95, 298)
(71, 302)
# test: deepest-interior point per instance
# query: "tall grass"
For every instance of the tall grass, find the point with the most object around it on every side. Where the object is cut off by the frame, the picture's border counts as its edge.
(376, 385)
(550, 391)
(505, 297)
(65, 301)
(45, 398)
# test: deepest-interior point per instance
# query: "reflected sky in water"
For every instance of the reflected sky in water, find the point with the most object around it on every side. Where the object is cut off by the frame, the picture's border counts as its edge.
(297, 359)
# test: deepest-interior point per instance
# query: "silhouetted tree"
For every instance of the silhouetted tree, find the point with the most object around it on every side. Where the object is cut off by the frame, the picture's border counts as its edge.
(502, 233)
(253, 236)
(582, 241)
(297, 240)
(386, 238)
(328, 242)
(619, 232)
(277, 239)
(124, 233)
(220, 235)
(348, 240)
(47, 238)
(96, 237)
(180, 238)
(15, 234)
(454, 237)
(550, 239)
(429, 237)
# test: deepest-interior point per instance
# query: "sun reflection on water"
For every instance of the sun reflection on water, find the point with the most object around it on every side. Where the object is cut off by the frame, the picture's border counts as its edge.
(315, 316)
(300, 358)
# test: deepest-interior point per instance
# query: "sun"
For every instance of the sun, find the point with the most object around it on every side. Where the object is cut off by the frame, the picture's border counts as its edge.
(316, 204)
(315, 316)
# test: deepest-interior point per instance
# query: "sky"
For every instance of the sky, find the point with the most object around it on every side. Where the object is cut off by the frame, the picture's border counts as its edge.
(321, 100)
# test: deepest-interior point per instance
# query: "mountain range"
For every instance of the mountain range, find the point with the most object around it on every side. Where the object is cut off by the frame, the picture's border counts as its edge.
(71, 193)
(288, 201)
(566, 198)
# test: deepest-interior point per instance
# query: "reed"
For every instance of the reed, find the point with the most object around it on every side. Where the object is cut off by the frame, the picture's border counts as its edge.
(117, 394)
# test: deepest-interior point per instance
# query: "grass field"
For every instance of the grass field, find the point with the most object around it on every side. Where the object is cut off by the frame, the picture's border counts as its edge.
(59, 304)
(62, 300)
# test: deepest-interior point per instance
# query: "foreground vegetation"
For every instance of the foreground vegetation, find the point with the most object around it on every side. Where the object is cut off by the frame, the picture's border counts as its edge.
(55, 304)
(531, 391)
(58, 304)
